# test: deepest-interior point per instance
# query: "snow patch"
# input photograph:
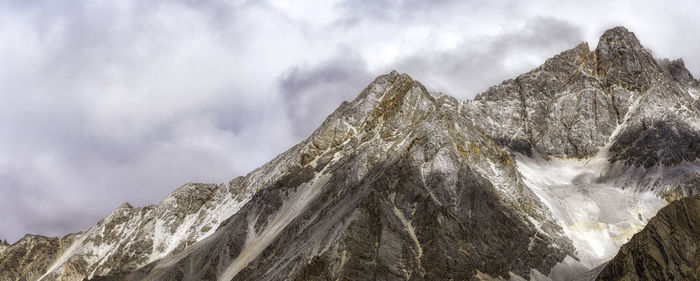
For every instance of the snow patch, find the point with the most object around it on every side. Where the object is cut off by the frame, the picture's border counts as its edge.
(290, 209)
(694, 93)
(597, 217)
(409, 228)
(65, 256)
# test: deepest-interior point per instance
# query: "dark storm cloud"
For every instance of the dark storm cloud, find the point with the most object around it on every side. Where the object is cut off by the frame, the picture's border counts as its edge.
(105, 102)
(474, 65)
(312, 93)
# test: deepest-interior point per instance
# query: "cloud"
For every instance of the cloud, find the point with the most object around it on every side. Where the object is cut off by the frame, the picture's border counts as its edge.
(311, 93)
(477, 63)
(105, 102)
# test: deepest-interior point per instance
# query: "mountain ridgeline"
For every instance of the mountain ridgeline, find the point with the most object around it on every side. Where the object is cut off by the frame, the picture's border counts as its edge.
(542, 177)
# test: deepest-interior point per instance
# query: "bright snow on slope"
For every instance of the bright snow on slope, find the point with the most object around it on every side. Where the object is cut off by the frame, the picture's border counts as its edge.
(291, 208)
(694, 93)
(598, 217)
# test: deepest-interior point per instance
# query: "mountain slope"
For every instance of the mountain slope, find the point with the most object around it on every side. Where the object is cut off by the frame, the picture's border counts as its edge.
(546, 174)
(615, 100)
(412, 186)
(31, 256)
(667, 249)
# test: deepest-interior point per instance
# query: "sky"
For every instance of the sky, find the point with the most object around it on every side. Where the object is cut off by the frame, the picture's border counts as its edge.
(105, 102)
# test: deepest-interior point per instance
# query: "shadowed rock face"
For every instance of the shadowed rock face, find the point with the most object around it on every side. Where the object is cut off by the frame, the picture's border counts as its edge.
(667, 249)
(667, 142)
(403, 184)
(621, 59)
(676, 69)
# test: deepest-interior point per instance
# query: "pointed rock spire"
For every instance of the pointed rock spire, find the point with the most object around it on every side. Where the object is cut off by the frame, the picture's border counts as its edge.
(386, 104)
(622, 61)
(677, 71)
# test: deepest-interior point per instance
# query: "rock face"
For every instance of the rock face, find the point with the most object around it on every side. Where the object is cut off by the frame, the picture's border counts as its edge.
(667, 249)
(560, 108)
(621, 60)
(31, 256)
(615, 100)
(3, 245)
(572, 105)
(404, 184)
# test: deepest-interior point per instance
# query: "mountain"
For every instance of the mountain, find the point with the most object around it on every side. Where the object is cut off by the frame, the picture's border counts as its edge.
(668, 248)
(394, 185)
(543, 176)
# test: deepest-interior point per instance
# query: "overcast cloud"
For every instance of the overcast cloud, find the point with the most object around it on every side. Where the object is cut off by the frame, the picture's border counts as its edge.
(105, 102)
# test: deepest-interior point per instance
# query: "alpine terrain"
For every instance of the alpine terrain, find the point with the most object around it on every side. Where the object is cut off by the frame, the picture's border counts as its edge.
(557, 174)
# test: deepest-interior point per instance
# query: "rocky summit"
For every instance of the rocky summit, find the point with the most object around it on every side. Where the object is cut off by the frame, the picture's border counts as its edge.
(542, 177)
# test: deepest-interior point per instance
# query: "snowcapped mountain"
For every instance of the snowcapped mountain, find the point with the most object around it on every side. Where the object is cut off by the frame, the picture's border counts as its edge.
(543, 176)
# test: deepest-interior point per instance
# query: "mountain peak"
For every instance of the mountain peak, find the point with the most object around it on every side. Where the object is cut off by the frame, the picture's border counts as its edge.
(677, 71)
(620, 33)
(386, 104)
(622, 60)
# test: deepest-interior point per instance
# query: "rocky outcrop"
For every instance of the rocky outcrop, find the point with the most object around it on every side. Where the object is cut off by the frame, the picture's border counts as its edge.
(30, 257)
(561, 108)
(676, 69)
(621, 60)
(617, 100)
(571, 105)
(668, 141)
(667, 249)
(3, 245)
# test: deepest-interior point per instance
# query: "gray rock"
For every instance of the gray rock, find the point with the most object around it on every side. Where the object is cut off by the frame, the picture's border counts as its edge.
(676, 69)
(667, 249)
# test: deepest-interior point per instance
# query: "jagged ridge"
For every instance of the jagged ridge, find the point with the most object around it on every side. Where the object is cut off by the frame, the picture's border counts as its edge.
(348, 197)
